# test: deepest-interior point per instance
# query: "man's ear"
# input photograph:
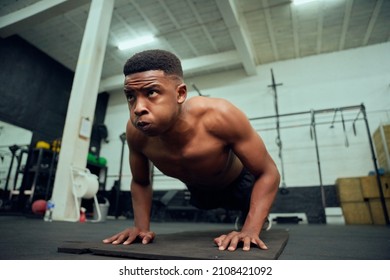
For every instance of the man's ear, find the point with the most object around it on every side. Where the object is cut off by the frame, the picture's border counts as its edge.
(181, 93)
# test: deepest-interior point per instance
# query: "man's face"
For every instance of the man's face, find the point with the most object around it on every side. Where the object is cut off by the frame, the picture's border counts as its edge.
(154, 100)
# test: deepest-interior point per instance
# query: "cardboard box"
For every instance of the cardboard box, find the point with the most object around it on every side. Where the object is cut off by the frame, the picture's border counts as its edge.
(349, 190)
(377, 213)
(356, 213)
(381, 139)
(386, 186)
(370, 188)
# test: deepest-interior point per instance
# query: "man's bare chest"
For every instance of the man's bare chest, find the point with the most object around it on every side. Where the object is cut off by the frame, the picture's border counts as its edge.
(195, 160)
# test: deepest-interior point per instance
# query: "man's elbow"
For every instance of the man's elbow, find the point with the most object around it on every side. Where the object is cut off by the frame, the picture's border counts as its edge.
(144, 182)
(276, 177)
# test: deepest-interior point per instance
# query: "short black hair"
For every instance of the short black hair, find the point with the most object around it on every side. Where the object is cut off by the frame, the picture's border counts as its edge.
(154, 60)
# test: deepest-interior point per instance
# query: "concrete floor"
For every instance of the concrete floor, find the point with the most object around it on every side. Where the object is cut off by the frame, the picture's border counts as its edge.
(23, 238)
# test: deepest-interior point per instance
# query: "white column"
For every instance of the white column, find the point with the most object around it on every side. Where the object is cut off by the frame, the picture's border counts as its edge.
(74, 147)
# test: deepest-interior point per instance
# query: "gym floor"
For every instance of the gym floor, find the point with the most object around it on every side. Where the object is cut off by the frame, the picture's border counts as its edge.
(23, 238)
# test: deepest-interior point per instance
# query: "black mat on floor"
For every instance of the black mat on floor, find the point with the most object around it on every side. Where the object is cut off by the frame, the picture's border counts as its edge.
(186, 245)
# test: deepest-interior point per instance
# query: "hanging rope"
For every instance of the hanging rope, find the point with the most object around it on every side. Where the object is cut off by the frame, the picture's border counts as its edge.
(278, 140)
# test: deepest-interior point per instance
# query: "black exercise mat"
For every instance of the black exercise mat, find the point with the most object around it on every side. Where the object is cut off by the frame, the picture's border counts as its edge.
(185, 245)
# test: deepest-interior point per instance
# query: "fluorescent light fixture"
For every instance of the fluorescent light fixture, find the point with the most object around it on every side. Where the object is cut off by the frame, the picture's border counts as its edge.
(136, 42)
(299, 2)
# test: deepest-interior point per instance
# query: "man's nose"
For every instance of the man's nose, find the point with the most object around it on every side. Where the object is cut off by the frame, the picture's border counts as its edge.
(140, 107)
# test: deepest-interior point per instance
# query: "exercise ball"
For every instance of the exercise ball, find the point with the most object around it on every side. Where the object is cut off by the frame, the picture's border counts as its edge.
(39, 207)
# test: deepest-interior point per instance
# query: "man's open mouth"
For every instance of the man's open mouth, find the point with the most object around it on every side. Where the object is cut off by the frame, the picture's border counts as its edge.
(142, 125)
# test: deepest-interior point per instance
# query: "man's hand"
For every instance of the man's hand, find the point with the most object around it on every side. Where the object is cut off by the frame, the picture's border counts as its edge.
(231, 240)
(129, 235)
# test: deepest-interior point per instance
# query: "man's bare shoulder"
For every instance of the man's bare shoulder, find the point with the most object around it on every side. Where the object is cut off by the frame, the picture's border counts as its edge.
(200, 105)
(219, 116)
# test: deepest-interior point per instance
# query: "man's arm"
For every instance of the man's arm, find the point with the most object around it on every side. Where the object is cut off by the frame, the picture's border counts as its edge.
(141, 193)
(234, 127)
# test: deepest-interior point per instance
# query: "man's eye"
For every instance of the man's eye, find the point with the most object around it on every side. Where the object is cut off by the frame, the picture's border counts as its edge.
(152, 93)
(129, 98)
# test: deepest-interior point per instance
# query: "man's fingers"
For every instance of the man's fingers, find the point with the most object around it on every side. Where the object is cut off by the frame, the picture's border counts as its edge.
(219, 240)
(147, 238)
(116, 239)
(120, 238)
(224, 241)
(110, 239)
(247, 244)
(126, 237)
(233, 243)
(130, 239)
(260, 244)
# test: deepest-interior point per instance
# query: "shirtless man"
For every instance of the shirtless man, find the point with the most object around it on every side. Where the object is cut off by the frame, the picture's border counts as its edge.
(207, 143)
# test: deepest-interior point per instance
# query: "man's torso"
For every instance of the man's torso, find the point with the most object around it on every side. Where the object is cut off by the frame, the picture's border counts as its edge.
(202, 160)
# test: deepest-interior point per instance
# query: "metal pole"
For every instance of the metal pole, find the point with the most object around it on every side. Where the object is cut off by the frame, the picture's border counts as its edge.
(313, 125)
(278, 138)
(118, 182)
(374, 160)
(330, 110)
(198, 91)
(9, 171)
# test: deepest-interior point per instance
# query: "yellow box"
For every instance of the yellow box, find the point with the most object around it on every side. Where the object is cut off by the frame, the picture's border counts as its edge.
(349, 190)
(370, 186)
(382, 144)
(356, 213)
(376, 209)
(386, 186)
(382, 161)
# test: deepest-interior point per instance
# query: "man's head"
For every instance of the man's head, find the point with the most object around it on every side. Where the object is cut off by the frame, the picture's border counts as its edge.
(154, 90)
(154, 60)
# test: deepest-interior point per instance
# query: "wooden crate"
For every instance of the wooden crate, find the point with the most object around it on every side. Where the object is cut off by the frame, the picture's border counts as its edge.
(349, 190)
(381, 139)
(370, 188)
(386, 186)
(356, 213)
(376, 209)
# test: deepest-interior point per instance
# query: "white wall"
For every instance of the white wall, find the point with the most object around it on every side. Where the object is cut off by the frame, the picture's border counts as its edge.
(11, 135)
(332, 80)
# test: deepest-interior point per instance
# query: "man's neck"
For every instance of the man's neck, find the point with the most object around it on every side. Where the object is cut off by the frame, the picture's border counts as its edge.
(180, 132)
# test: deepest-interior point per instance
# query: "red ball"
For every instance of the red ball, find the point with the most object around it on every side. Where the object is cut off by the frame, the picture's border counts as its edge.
(39, 207)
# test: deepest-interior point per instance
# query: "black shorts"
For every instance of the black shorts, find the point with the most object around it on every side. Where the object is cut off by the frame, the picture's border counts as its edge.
(236, 196)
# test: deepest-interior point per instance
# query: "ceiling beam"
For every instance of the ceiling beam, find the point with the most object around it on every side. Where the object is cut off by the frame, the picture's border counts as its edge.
(347, 16)
(177, 25)
(111, 83)
(190, 66)
(294, 22)
(210, 62)
(200, 21)
(270, 29)
(372, 21)
(38, 12)
(320, 26)
(151, 25)
(240, 38)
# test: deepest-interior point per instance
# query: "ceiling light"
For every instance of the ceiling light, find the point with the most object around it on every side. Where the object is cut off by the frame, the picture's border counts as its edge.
(299, 2)
(136, 42)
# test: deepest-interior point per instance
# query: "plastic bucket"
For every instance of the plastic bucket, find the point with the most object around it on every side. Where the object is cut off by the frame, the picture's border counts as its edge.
(103, 207)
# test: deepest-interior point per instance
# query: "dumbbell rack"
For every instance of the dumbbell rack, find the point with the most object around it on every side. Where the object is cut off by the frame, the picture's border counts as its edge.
(38, 176)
